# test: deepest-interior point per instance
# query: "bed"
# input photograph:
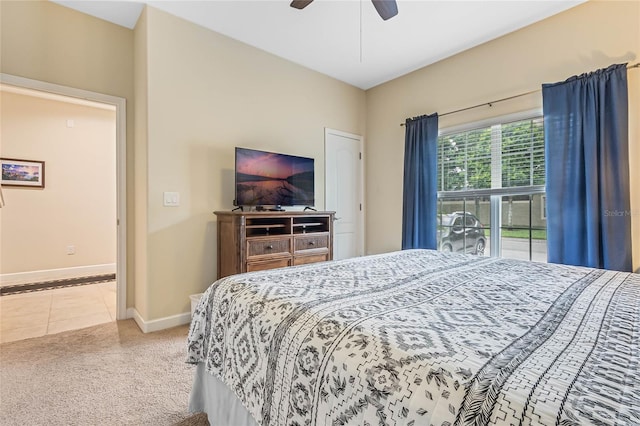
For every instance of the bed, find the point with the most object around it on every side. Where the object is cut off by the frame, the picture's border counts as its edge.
(419, 337)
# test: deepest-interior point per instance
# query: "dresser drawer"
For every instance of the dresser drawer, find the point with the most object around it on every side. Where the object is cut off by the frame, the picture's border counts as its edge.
(311, 243)
(268, 247)
(314, 258)
(268, 264)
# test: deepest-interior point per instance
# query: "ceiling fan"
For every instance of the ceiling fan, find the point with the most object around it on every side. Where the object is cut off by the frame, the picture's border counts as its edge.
(386, 8)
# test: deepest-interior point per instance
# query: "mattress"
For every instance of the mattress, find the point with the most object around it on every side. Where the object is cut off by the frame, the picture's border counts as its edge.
(420, 337)
(209, 395)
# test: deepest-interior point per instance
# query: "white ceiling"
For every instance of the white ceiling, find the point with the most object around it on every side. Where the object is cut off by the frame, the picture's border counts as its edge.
(346, 39)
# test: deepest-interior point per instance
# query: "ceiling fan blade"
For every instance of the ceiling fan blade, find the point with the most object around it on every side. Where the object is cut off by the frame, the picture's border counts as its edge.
(386, 8)
(300, 4)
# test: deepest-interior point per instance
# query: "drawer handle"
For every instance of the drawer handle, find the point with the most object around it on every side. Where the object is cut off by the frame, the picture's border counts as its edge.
(312, 243)
(269, 247)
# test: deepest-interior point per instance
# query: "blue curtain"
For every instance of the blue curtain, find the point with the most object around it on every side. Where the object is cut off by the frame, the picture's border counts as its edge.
(420, 195)
(587, 170)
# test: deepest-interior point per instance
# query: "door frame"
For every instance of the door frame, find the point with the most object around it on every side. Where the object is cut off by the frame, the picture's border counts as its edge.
(121, 169)
(360, 139)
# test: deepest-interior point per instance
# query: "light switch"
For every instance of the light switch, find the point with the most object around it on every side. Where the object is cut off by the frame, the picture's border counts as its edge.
(171, 199)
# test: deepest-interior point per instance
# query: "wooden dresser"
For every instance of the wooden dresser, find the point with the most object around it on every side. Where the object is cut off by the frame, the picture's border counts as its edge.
(255, 241)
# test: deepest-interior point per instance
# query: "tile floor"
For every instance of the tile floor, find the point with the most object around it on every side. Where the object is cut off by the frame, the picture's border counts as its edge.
(35, 314)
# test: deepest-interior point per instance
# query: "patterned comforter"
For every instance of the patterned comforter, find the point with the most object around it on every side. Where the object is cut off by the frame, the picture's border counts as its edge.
(420, 337)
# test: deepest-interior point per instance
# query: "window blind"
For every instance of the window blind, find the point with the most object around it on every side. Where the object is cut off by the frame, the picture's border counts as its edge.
(499, 156)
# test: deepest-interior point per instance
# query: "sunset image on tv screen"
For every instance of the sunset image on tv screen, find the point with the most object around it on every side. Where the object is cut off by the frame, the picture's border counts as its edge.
(271, 179)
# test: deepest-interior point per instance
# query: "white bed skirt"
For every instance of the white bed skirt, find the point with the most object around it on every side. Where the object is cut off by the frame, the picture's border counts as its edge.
(209, 395)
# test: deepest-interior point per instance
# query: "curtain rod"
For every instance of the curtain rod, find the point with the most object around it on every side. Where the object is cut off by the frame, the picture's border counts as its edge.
(636, 65)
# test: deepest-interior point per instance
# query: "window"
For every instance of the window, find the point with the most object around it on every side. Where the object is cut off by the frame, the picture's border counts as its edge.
(492, 175)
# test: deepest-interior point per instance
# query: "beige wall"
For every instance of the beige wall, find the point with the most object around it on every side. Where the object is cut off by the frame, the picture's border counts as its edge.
(207, 94)
(583, 39)
(77, 205)
(199, 94)
(44, 41)
(141, 183)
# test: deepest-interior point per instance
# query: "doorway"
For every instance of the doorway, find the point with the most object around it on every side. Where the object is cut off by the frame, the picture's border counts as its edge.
(343, 191)
(117, 104)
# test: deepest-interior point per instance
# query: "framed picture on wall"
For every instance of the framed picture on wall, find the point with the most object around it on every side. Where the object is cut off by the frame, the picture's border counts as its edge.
(22, 173)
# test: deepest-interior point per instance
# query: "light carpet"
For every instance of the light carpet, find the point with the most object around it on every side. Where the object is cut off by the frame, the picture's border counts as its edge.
(109, 374)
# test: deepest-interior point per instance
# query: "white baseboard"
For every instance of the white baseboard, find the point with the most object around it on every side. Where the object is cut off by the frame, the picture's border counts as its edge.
(56, 274)
(160, 323)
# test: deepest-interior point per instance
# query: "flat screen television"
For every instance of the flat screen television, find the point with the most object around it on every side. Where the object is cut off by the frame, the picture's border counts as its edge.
(271, 179)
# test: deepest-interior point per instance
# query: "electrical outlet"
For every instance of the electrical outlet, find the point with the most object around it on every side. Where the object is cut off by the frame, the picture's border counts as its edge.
(71, 250)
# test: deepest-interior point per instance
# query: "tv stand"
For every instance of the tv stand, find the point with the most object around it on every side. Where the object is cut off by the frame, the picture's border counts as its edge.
(309, 208)
(256, 241)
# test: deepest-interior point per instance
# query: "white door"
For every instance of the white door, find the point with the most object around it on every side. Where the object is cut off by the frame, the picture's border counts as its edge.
(343, 191)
